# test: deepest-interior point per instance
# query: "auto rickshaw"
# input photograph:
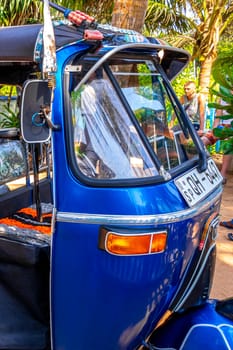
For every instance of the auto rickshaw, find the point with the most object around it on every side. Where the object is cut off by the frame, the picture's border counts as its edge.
(108, 216)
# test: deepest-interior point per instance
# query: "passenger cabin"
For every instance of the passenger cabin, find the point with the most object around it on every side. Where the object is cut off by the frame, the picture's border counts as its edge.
(115, 176)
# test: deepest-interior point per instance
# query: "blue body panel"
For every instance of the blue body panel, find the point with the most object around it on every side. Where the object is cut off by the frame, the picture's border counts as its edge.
(201, 328)
(100, 300)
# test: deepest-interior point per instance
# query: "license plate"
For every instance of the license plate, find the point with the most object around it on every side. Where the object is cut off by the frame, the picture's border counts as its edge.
(195, 186)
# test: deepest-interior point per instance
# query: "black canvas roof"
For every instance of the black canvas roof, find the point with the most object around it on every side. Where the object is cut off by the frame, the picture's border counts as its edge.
(17, 43)
(17, 46)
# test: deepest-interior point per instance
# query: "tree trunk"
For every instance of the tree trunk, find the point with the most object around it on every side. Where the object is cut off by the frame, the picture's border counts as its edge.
(129, 14)
(205, 74)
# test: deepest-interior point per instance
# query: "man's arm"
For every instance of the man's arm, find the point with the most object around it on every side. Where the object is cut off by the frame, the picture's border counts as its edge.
(202, 107)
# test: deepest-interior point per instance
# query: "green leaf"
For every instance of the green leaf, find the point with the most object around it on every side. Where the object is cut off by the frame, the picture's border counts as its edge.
(9, 119)
(228, 147)
(223, 133)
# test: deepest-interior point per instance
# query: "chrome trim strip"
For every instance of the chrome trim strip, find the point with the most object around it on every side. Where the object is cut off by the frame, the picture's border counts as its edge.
(192, 283)
(105, 219)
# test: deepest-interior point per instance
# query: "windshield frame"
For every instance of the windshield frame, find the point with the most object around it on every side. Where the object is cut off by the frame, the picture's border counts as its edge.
(103, 61)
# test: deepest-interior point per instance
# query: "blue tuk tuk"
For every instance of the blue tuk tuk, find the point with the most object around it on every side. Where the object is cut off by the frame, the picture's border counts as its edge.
(108, 216)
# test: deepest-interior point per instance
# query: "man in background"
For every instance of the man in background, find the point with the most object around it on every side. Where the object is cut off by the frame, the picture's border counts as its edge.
(194, 105)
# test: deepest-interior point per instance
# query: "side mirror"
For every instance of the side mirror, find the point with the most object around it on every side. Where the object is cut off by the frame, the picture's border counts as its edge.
(35, 96)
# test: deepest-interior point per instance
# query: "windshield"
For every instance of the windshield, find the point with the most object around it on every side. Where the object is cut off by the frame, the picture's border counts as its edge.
(120, 119)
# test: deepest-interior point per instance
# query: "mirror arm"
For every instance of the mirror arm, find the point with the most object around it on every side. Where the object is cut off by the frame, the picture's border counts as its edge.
(46, 112)
(44, 118)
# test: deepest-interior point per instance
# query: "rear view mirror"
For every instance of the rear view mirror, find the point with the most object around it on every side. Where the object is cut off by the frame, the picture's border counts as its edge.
(36, 97)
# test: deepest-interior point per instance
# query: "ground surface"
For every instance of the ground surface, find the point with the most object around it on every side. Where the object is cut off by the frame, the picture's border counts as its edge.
(223, 279)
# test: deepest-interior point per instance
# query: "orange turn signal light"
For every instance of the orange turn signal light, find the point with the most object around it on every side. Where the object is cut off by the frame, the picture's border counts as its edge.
(135, 244)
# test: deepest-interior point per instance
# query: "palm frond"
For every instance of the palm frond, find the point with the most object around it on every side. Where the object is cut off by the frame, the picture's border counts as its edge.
(161, 17)
(222, 70)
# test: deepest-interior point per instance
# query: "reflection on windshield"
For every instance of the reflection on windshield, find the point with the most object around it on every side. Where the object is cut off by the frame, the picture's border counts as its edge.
(153, 108)
(106, 142)
(138, 101)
